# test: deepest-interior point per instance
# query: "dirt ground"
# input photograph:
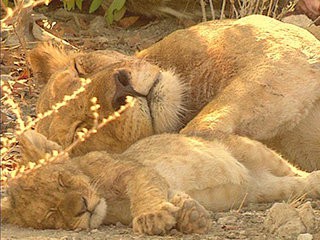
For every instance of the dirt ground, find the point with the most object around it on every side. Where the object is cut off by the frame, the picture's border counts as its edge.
(89, 32)
(246, 223)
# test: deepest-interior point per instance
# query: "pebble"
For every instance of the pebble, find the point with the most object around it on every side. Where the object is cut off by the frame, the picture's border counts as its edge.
(94, 230)
(227, 220)
(305, 236)
(119, 224)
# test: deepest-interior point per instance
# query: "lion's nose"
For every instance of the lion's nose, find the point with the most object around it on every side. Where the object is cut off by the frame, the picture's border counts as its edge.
(122, 80)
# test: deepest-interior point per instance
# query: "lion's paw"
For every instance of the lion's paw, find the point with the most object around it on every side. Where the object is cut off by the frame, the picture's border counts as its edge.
(157, 222)
(192, 217)
(314, 184)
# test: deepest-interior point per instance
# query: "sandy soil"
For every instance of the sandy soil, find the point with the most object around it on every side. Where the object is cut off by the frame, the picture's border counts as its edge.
(246, 223)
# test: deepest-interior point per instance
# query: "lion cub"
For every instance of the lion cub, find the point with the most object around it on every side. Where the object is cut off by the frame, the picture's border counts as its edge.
(148, 186)
(94, 189)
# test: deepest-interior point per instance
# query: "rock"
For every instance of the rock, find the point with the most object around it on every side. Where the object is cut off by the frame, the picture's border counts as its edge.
(94, 230)
(305, 236)
(285, 220)
(308, 216)
(298, 20)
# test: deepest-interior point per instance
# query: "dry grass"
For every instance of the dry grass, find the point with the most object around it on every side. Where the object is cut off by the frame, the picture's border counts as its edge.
(241, 8)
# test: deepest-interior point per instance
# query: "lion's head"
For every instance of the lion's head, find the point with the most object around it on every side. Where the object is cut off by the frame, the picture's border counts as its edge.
(114, 76)
(53, 196)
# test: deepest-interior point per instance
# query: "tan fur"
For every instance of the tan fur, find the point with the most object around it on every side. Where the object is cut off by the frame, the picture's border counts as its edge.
(100, 67)
(148, 186)
(255, 77)
(97, 188)
(235, 84)
(259, 78)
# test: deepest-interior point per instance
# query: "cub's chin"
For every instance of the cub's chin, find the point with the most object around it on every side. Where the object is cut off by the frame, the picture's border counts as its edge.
(98, 214)
(165, 101)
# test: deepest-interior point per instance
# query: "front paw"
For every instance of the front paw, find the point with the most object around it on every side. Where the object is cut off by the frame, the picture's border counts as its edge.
(192, 217)
(157, 222)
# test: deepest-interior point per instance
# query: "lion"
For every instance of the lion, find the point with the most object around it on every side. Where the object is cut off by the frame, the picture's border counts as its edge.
(157, 189)
(252, 83)
(94, 189)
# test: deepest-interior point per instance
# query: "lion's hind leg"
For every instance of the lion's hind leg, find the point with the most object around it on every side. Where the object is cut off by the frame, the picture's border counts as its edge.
(267, 187)
(301, 145)
(256, 156)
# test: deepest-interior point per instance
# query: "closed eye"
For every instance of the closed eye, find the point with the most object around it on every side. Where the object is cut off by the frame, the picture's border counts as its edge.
(76, 67)
(85, 202)
(50, 213)
(84, 208)
(60, 181)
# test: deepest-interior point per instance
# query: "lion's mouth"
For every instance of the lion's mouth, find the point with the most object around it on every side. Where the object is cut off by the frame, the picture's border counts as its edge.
(165, 102)
(98, 214)
(125, 88)
(151, 94)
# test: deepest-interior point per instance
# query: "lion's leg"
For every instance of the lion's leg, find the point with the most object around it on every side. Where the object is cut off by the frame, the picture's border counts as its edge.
(255, 110)
(302, 144)
(261, 186)
(266, 187)
(256, 156)
(154, 214)
(222, 124)
(119, 179)
(148, 193)
(218, 122)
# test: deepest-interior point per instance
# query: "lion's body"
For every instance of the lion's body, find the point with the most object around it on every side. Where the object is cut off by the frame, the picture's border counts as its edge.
(225, 86)
(207, 171)
(147, 186)
(257, 78)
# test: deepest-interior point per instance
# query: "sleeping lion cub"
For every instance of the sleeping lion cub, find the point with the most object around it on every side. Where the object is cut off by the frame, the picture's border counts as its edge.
(151, 187)
(243, 82)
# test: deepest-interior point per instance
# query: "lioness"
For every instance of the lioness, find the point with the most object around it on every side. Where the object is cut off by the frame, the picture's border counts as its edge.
(244, 81)
(148, 185)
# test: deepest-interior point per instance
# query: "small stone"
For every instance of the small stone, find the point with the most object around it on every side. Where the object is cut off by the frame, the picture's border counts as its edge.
(307, 216)
(227, 220)
(175, 232)
(305, 236)
(94, 230)
(119, 224)
(67, 238)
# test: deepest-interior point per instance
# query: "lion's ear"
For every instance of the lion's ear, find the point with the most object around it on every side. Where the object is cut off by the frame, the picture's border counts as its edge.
(35, 146)
(46, 59)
